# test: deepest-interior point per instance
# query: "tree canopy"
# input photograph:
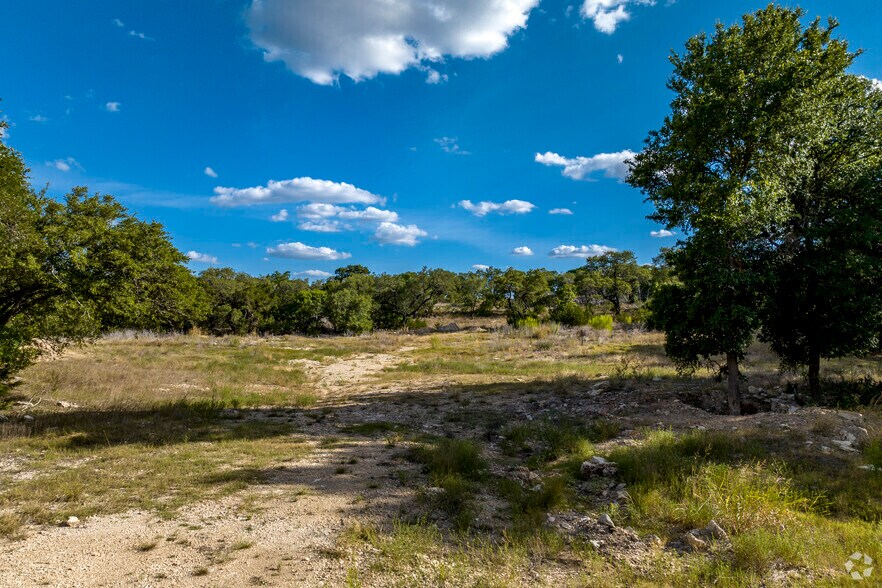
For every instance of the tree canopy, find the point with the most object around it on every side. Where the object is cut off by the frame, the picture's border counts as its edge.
(768, 151)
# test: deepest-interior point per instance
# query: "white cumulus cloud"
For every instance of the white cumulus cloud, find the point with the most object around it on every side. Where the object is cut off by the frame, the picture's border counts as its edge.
(208, 171)
(480, 267)
(325, 218)
(295, 190)
(568, 251)
(393, 234)
(322, 226)
(202, 257)
(608, 14)
(613, 165)
(65, 164)
(280, 216)
(112, 106)
(322, 39)
(522, 251)
(661, 234)
(300, 251)
(563, 211)
(507, 207)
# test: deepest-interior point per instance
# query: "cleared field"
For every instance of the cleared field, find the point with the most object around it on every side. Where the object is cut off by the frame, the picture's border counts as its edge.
(447, 459)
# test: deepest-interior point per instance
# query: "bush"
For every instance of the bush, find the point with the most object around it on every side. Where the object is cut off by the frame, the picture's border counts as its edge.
(571, 315)
(527, 323)
(637, 317)
(602, 322)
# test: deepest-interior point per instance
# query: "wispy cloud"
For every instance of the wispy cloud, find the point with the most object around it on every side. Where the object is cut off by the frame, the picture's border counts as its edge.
(507, 207)
(612, 165)
(280, 216)
(451, 145)
(298, 250)
(141, 36)
(209, 171)
(112, 106)
(65, 164)
(38, 118)
(314, 274)
(562, 211)
(571, 251)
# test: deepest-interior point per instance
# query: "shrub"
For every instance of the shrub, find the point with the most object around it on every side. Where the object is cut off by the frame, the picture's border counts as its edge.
(527, 323)
(602, 322)
(571, 315)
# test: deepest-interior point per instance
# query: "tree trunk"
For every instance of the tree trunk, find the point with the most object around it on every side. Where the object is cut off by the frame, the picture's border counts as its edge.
(734, 393)
(814, 374)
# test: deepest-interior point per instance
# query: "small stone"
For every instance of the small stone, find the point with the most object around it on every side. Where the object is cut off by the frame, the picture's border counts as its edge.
(716, 531)
(28, 418)
(606, 521)
(72, 522)
(596, 543)
(653, 539)
(694, 542)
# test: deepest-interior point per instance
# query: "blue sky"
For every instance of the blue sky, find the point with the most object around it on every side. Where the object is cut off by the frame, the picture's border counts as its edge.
(392, 133)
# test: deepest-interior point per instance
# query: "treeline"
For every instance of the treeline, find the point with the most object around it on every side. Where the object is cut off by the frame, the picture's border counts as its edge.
(354, 300)
(75, 268)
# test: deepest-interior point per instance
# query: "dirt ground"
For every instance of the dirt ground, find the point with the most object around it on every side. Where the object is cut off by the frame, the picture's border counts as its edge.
(285, 531)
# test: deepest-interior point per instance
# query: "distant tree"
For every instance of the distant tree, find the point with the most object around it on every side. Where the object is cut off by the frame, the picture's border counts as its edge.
(70, 269)
(524, 294)
(614, 277)
(307, 309)
(279, 312)
(349, 300)
(823, 295)
(566, 310)
(718, 169)
(342, 273)
(236, 302)
(349, 310)
(404, 297)
(470, 291)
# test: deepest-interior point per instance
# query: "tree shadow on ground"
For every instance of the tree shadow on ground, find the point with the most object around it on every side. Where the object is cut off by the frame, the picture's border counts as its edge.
(359, 447)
